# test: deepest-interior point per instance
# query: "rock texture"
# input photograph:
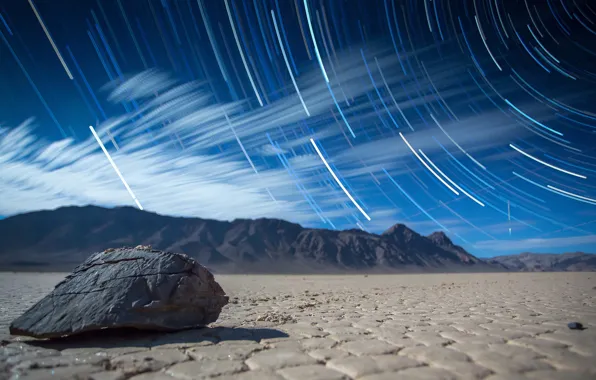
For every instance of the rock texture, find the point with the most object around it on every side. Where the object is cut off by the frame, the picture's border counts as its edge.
(63, 236)
(137, 288)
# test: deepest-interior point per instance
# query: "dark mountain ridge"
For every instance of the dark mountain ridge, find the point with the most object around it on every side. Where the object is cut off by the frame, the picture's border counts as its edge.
(62, 238)
(66, 236)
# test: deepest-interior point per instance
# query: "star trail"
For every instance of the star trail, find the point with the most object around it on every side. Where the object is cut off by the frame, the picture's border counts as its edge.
(474, 117)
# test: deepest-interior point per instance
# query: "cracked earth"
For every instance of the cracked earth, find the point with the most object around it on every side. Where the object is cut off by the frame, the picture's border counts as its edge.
(435, 326)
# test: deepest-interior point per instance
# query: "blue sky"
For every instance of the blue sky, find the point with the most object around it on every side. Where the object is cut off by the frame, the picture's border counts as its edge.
(474, 119)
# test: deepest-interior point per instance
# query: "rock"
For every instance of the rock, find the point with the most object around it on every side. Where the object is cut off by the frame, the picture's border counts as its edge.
(575, 326)
(127, 287)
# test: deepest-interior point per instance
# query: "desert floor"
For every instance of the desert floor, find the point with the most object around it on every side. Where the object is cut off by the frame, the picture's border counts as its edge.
(447, 326)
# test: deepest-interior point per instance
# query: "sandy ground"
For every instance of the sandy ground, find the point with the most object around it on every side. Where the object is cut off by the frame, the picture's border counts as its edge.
(448, 326)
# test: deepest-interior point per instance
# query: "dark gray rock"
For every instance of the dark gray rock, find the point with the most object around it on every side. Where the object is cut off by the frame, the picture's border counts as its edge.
(127, 288)
(575, 326)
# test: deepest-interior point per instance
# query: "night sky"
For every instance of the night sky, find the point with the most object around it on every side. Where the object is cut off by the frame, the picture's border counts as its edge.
(475, 117)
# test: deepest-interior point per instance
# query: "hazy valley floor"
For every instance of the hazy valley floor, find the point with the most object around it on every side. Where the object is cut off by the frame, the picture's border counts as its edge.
(433, 326)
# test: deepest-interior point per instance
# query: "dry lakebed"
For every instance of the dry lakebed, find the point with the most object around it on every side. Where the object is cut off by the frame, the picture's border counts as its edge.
(494, 326)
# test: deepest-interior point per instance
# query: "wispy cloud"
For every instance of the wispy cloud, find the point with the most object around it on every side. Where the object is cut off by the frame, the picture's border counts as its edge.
(183, 154)
(270, 150)
(169, 153)
(142, 85)
(165, 181)
(528, 244)
(496, 130)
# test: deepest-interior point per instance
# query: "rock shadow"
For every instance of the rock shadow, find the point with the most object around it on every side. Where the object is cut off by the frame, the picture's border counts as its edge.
(128, 337)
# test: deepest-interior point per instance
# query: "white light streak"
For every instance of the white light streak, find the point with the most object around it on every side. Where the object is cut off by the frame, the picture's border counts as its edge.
(449, 179)
(427, 16)
(485, 44)
(437, 91)
(532, 19)
(252, 82)
(571, 194)
(302, 30)
(43, 26)
(531, 119)
(115, 167)
(539, 43)
(283, 51)
(547, 164)
(110, 136)
(252, 165)
(338, 181)
(113, 141)
(213, 42)
(501, 19)
(314, 41)
(426, 165)
(456, 144)
(391, 95)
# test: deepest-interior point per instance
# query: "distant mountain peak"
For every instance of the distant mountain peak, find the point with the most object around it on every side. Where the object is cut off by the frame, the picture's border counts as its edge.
(440, 239)
(398, 229)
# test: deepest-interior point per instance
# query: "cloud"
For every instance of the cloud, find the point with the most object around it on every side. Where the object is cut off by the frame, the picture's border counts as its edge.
(364, 171)
(528, 244)
(204, 124)
(182, 154)
(426, 227)
(163, 180)
(170, 154)
(141, 85)
(270, 150)
(306, 162)
(497, 131)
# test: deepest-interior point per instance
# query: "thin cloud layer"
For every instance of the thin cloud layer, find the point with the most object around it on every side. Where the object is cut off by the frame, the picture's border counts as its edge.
(533, 244)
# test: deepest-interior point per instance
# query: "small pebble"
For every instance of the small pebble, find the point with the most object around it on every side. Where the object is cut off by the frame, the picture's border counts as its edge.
(575, 326)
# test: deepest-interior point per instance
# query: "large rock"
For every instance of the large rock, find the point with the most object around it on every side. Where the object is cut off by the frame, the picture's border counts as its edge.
(127, 288)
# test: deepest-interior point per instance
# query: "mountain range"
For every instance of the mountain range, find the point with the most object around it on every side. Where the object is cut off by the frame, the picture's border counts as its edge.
(62, 238)
(547, 262)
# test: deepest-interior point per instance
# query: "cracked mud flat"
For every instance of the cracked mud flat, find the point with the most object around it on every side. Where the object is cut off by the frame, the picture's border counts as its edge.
(449, 326)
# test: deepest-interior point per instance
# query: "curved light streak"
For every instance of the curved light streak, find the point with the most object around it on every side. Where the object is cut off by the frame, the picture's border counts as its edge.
(314, 41)
(252, 82)
(43, 26)
(532, 120)
(449, 179)
(338, 181)
(283, 51)
(115, 167)
(485, 44)
(572, 194)
(547, 164)
(426, 165)
(456, 144)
